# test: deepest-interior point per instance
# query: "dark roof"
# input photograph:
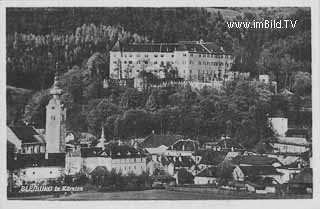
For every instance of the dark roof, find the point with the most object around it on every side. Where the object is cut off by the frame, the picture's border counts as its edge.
(191, 46)
(112, 150)
(149, 47)
(296, 131)
(162, 178)
(259, 170)
(304, 177)
(181, 161)
(39, 160)
(209, 172)
(186, 145)
(123, 151)
(153, 140)
(27, 134)
(210, 157)
(90, 151)
(257, 160)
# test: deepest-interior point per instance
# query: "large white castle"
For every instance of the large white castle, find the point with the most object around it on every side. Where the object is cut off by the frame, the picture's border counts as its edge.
(194, 60)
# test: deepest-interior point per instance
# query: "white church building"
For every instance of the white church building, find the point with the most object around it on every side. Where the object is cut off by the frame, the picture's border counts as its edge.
(40, 158)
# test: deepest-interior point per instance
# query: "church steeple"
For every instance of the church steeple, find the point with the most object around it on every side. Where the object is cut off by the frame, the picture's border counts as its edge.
(56, 91)
(102, 139)
(55, 120)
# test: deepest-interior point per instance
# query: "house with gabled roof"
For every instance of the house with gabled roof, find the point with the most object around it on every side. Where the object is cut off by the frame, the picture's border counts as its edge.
(207, 176)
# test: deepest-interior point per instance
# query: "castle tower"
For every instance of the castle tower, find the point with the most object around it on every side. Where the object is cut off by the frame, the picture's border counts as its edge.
(55, 121)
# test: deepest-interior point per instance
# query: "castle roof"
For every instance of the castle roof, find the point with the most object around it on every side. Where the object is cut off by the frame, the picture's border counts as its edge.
(190, 46)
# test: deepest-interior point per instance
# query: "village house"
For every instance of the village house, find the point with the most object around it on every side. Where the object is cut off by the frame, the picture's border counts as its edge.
(208, 158)
(182, 147)
(224, 144)
(301, 183)
(207, 176)
(156, 145)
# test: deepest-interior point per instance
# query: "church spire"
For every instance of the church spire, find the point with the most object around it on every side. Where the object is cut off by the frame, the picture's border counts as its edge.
(102, 139)
(56, 91)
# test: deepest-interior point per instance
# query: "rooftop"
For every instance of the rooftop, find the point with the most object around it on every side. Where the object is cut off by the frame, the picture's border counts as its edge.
(154, 141)
(210, 157)
(254, 160)
(190, 46)
(27, 134)
(208, 172)
(259, 170)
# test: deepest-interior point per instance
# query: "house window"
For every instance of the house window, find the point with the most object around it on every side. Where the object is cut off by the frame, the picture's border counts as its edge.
(172, 55)
(33, 172)
(155, 55)
(130, 62)
(184, 55)
(162, 55)
(199, 55)
(146, 55)
(24, 173)
(52, 107)
(53, 117)
(50, 172)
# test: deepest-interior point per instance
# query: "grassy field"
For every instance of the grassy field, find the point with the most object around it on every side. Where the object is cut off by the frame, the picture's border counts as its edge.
(160, 195)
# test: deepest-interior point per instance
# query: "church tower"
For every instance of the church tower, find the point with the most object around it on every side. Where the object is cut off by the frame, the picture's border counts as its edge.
(55, 121)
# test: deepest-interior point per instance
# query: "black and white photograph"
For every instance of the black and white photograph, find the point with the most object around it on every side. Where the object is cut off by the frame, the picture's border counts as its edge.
(159, 103)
